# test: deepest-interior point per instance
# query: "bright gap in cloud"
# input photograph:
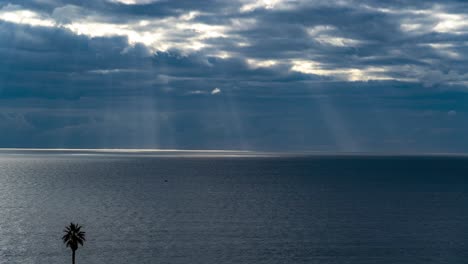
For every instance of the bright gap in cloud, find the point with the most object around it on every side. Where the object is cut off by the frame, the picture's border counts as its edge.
(256, 63)
(10, 13)
(444, 49)
(328, 35)
(158, 34)
(266, 4)
(348, 74)
(133, 2)
(443, 22)
(451, 23)
(215, 91)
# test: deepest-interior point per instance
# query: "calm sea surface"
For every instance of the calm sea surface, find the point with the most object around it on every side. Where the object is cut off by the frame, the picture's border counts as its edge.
(214, 210)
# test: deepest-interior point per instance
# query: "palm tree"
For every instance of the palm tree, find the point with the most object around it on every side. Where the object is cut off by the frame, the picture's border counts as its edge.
(73, 238)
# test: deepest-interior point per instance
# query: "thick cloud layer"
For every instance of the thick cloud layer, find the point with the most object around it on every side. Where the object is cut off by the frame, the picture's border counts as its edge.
(261, 75)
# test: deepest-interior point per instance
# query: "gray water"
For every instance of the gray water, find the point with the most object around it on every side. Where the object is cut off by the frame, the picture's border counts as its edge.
(160, 209)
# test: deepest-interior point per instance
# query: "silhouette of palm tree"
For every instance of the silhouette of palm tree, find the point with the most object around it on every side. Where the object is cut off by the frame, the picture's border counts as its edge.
(73, 238)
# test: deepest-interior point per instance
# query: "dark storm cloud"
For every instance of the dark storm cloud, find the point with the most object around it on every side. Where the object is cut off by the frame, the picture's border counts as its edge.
(381, 41)
(54, 59)
(118, 12)
(301, 75)
(48, 62)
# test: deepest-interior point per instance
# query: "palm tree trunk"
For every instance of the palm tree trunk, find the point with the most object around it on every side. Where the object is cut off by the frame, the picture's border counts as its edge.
(73, 256)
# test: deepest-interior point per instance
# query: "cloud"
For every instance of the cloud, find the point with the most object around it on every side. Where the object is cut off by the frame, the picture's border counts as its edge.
(215, 91)
(133, 2)
(452, 113)
(197, 92)
(15, 14)
(398, 43)
(135, 73)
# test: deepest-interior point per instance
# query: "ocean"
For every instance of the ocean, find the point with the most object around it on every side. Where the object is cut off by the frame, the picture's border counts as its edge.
(217, 208)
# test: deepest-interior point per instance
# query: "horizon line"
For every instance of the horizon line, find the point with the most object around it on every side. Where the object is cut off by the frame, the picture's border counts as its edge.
(128, 149)
(252, 152)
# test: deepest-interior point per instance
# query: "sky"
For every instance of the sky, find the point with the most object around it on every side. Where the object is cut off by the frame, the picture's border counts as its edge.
(269, 75)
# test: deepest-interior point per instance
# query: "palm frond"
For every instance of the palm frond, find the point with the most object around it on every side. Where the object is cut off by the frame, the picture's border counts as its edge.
(73, 236)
